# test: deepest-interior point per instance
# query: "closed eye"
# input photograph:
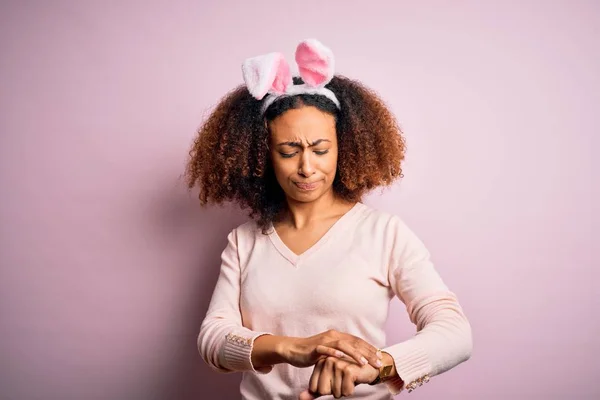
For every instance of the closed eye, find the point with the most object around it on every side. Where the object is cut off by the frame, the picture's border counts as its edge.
(321, 152)
(288, 155)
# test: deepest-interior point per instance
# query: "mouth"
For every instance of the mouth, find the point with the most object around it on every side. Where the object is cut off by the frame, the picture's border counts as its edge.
(306, 186)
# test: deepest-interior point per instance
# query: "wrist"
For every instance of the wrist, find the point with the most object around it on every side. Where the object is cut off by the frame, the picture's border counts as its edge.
(285, 349)
(267, 350)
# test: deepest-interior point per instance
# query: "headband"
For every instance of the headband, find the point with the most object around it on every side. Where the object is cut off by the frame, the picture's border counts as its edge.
(269, 74)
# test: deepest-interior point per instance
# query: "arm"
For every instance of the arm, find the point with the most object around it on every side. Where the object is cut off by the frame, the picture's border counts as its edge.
(227, 346)
(223, 342)
(443, 339)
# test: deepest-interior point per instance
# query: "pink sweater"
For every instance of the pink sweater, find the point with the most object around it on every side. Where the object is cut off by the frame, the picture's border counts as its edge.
(344, 282)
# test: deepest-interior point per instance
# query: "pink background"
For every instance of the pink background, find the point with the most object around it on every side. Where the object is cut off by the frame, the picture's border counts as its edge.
(108, 264)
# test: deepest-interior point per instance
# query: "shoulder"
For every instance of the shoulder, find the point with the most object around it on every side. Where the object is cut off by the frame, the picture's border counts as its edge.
(383, 237)
(382, 220)
(247, 230)
(246, 236)
(386, 227)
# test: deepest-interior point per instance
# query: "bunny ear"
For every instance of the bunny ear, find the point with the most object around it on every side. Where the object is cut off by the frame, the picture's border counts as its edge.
(266, 73)
(315, 62)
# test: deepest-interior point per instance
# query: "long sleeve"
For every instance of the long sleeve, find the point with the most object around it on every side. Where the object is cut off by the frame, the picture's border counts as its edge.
(223, 342)
(443, 339)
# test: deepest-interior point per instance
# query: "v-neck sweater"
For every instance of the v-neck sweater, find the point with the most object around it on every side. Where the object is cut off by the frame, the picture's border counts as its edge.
(345, 281)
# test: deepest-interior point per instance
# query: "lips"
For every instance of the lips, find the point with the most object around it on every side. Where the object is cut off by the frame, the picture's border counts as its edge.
(307, 186)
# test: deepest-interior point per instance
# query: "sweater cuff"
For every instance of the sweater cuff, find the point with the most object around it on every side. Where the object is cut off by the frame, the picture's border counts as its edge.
(412, 366)
(237, 352)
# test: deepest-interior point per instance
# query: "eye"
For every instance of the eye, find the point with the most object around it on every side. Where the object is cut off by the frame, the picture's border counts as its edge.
(288, 155)
(321, 152)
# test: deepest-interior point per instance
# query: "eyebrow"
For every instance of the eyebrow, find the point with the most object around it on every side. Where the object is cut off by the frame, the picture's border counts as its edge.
(299, 144)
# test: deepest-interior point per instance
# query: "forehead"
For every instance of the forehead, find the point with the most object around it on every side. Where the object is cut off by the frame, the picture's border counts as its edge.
(305, 123)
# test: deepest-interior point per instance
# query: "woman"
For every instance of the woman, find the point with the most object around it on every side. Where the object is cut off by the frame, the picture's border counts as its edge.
(304, 289)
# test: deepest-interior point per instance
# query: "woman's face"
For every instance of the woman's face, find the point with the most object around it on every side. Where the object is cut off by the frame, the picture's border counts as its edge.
(304, 152)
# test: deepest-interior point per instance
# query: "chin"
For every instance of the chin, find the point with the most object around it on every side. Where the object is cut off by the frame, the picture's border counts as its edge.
(308, 199)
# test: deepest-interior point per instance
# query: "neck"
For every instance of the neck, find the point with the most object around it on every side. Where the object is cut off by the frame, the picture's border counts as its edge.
(300, 215)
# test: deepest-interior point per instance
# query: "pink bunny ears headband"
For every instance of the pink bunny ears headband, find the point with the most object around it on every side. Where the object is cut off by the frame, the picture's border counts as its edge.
(269, 74)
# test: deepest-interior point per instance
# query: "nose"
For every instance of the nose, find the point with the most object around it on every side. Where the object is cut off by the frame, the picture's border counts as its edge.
(306, 167)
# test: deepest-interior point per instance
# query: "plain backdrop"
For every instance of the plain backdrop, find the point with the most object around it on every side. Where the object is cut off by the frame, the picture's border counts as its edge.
(107, 262)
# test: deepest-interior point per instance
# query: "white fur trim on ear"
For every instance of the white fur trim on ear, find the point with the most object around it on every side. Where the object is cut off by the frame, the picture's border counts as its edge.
(269, 73)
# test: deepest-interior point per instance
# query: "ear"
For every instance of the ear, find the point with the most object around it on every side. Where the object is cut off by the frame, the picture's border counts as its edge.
(315, 63)
(266, 73)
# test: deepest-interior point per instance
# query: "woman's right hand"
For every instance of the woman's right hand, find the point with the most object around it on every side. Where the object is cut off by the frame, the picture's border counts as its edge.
(304, 352)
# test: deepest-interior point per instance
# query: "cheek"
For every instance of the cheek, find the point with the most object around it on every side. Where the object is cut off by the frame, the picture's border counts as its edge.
(281, 167)
(331, 164)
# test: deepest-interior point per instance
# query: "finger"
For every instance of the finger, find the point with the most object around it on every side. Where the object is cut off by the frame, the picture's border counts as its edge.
(326, 376)
(361, 355)
(330, 352)
(306, 396)
(373, 355)
(359, 342)
(371, 352)
(314, 378)
(349, 379)
(338, 377)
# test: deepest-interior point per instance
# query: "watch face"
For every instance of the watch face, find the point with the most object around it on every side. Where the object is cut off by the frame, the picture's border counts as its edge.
(385, 371)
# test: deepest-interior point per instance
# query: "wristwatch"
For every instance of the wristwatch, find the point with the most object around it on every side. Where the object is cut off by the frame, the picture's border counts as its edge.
(384, 373)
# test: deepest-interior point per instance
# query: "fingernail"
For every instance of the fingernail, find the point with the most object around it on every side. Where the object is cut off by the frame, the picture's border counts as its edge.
(363, 360)
(379, 355)
(378, 363)
(339, 354)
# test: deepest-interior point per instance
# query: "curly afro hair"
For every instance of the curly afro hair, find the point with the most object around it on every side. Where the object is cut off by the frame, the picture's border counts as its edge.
(230, 162)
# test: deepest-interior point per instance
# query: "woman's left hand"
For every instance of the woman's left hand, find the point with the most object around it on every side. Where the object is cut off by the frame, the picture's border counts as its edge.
(338, 377)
